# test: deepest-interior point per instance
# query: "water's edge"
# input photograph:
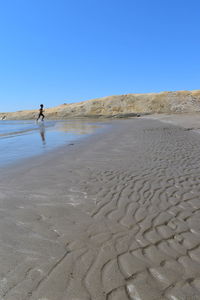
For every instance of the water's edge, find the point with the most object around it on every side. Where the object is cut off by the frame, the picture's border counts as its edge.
(20, 140)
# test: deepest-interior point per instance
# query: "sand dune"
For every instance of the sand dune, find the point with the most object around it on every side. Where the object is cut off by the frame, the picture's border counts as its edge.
(120, 106)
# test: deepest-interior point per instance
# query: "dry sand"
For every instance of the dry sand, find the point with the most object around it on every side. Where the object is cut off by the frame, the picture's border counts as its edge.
(114, 217)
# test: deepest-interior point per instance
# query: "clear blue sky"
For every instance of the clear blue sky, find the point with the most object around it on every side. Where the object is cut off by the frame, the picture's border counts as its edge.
(56, 51)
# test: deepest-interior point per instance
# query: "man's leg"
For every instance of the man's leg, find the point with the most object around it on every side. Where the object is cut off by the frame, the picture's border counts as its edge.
(38, 117)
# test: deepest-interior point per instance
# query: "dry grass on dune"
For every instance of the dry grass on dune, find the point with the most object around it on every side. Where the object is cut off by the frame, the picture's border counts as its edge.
(114, 106)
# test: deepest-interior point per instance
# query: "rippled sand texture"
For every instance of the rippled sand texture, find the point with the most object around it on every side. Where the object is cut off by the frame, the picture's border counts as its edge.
(115, 219)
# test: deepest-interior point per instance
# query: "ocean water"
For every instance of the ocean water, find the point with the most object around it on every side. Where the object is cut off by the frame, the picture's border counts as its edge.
(23, 139)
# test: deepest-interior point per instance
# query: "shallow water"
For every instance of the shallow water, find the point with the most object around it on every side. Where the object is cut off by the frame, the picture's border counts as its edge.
(23, 139)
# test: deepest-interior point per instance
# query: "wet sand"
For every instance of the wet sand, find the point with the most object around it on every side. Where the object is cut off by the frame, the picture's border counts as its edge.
(189, 121)
(114, 217)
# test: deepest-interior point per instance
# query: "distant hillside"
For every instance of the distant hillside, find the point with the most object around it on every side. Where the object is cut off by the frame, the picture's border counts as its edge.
(120, 106)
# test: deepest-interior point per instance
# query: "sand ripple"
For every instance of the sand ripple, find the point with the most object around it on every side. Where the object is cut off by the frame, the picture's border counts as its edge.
(117, 220)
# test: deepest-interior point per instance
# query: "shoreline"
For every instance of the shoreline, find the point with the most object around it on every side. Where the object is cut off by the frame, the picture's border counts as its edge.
(44, 148)
(113, 216)
(189, 121)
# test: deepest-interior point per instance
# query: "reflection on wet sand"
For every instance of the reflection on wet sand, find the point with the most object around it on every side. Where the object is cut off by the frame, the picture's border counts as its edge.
(42, 133)
(76, 126)
(26, 138)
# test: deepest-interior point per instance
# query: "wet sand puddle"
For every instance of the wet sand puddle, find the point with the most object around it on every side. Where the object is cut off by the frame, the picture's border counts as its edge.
(23, 139)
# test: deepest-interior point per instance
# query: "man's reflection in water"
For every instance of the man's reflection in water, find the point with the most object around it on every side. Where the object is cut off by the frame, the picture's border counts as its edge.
(42, 133)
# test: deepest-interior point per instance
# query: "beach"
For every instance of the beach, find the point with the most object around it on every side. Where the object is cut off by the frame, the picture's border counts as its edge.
(24, 139)
(114, 216)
